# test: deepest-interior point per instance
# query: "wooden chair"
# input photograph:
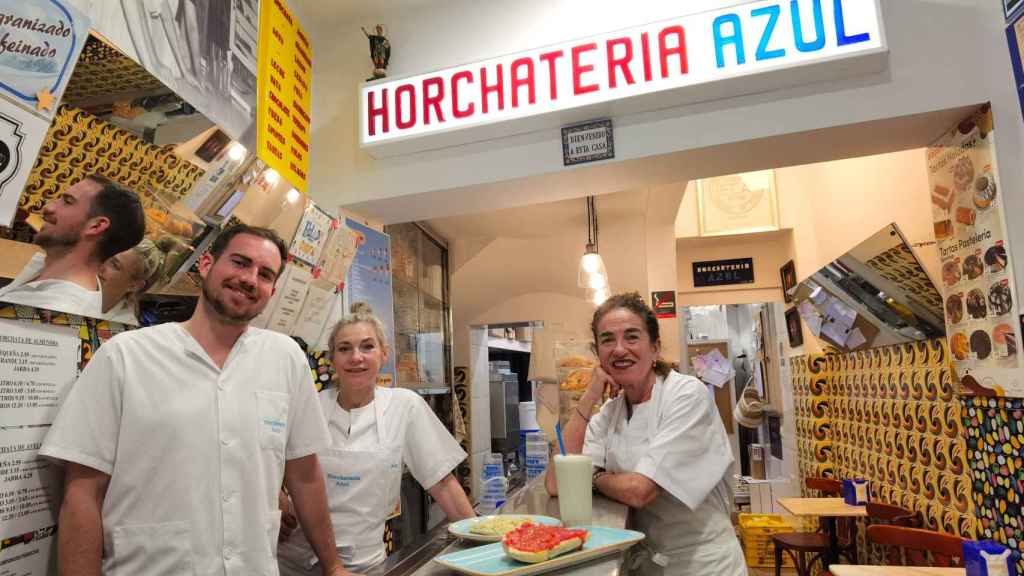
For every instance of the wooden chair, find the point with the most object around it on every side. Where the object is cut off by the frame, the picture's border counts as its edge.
(919, 547)
(879, 513)
(806, 548)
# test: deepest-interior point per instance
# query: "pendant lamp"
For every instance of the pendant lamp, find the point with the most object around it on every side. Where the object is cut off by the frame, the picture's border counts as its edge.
(593, 277)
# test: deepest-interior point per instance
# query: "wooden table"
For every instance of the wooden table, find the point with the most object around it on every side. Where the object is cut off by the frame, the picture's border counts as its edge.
(828, 509)
(852, 570)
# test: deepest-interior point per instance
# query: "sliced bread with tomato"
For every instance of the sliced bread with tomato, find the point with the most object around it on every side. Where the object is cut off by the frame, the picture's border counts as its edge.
(532, 543)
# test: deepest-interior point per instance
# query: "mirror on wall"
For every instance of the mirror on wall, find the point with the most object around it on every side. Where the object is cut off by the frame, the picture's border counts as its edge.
(876, 294)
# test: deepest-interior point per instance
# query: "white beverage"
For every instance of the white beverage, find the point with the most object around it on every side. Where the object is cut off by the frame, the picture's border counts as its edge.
(574, 473)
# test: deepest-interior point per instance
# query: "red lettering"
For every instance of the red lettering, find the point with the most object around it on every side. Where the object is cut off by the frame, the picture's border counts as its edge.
(299, 124)
(284, 11)
(275, 116)
(620, 63)
(302, 54)
(679, 49)
(403, 123)
(274, 82)
(298, 64)
(277, 101)
(277, 34)
(456, 78)
(433, 100)
(274, 150)
(550, 58)
(519, 81)
(373, 112)
(298, 140)
(301, 112)
(302, 37)
(497, 88)
(578, 69)
(645, 45)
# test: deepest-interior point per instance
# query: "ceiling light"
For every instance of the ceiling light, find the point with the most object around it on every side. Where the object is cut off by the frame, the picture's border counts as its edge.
(236, 152)
(598, 281)
(293, 196)
(592, 274)
(271, 176)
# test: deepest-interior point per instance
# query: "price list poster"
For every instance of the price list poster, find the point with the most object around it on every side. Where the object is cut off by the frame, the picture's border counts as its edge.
(369, 280)
(283, 86)
(38, 364)
(978, 288)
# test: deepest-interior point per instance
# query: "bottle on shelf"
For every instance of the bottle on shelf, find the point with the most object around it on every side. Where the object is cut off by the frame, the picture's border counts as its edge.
(536, 454)
(493, 484)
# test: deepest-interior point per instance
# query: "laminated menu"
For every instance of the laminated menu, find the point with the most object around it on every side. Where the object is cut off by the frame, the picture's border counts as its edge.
(977, 277)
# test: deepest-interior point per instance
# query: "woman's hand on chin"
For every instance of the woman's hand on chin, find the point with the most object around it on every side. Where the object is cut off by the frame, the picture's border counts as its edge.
(599, 383)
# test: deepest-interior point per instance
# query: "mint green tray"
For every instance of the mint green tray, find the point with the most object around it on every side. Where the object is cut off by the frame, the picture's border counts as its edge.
(490, 560)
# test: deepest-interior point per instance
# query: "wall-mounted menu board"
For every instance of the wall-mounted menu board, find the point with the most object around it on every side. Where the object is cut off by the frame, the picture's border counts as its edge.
(977, 276)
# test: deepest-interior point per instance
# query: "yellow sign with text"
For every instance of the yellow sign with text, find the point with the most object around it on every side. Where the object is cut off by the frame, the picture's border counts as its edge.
(283, 85)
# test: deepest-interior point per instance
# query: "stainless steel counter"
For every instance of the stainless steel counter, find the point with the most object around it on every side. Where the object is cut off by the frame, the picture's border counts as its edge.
(415, 560)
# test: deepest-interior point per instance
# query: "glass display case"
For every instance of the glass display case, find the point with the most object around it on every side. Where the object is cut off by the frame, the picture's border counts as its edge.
(422, 312)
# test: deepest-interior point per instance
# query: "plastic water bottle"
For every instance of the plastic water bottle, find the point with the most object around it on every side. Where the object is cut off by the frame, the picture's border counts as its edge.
(536, 455)
(492, 493)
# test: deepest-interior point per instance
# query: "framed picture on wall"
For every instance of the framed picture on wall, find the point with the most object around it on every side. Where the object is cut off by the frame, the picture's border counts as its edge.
(796, 335)
(788, 274)
(738, 204)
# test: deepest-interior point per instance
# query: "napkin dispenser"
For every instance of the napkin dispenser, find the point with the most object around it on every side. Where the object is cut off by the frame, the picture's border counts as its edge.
(988, 558)
(856, 492)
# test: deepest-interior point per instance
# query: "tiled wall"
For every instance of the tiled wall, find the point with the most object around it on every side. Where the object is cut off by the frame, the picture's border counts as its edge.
(889, 415)
(994, 431)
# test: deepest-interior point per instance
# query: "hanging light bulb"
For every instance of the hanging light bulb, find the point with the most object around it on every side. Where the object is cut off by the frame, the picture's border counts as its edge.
(599, 296)
(293, 196)
(598, 281)
(271, 176)
(236, 152)
(591, 262)
(592, 274)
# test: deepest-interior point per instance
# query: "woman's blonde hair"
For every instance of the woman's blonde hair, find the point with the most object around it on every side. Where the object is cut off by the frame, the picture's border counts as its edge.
(152, 258)
(361, 312)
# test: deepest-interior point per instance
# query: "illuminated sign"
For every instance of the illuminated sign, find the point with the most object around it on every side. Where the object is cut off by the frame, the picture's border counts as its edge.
(697, 57)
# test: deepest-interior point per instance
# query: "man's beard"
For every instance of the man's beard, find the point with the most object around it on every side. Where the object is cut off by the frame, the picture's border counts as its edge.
(49, 241)
(222, 310)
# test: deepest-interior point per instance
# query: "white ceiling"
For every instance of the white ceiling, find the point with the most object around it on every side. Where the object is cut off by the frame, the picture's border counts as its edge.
(540, 220)
(333, 12)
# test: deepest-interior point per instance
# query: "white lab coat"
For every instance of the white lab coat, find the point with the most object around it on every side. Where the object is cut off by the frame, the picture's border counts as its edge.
(195, 453)
(363, 472)
(56, 295)
(678, 441)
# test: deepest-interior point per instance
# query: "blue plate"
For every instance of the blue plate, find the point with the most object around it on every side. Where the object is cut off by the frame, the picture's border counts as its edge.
(462, 527)
(491, 560)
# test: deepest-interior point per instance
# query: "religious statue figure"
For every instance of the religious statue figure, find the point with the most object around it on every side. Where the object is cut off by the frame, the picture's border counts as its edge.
(380, 52)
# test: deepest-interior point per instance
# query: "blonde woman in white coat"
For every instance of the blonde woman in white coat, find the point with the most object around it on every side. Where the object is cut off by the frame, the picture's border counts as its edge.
(374, 431)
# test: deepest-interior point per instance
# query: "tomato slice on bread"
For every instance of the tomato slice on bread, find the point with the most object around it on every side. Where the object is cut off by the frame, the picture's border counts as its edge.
(533, 543)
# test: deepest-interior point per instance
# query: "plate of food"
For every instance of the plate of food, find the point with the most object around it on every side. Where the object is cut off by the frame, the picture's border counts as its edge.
(973, 267)
(999, 299)
(984, 191)
(951, 272)
(492, 528)
(995, 257)
(976, 307)
(959, 346)
(955, 308)
(536, 549)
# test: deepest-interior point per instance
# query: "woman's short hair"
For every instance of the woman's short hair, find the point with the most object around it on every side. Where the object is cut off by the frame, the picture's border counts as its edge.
(152, 259)
(633, 302)
(361, 312)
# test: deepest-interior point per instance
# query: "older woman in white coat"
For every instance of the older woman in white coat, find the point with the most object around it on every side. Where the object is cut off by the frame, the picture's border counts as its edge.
(374, 431)
(658, 446)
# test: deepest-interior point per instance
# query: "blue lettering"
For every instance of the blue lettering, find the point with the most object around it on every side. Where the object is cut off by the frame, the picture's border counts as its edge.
(763, 53)
(736, 39)
(819, 28)
(845, 40)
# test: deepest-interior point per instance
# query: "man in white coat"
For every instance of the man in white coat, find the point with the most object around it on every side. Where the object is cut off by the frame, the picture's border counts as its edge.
(176, 438)
(89, 222)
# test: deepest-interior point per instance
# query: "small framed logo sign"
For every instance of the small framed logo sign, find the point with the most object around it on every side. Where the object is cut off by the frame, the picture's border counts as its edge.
(588, 142)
